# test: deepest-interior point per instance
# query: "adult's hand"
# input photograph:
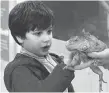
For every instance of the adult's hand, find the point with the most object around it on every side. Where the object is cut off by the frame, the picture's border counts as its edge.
(103, 56)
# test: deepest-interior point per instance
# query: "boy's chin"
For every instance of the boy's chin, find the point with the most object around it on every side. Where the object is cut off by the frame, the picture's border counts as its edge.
(45, 53)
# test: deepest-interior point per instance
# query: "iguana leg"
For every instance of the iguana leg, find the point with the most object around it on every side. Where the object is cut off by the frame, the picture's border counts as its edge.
(98, 71)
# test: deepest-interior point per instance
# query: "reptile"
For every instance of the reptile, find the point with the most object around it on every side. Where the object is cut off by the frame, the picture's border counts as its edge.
(87, 43)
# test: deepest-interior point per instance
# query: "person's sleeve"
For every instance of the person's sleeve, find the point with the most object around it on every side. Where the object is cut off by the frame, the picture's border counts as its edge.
(24, 81)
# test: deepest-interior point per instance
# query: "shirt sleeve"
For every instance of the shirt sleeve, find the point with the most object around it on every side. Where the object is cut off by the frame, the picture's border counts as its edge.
(24, 81)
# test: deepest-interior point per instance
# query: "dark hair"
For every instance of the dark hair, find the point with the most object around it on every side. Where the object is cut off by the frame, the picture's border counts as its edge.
(27, 16)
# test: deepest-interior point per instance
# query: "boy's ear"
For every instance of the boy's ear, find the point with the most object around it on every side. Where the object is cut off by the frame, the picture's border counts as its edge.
(20, 40)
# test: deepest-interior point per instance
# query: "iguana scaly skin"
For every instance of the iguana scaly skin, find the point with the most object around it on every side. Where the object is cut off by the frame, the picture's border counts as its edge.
(87, 43)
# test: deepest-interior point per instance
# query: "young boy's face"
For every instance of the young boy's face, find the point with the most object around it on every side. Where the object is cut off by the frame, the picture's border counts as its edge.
(38, 42)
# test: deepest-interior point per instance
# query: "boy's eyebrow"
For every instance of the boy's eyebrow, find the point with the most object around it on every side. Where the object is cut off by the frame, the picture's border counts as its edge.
(49, 28)
(36, 31)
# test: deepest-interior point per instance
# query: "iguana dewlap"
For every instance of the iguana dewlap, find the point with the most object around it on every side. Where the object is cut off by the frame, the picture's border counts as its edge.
(87, 43)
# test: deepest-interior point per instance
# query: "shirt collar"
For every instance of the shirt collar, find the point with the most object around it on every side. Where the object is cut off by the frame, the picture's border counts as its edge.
(26, 52)
(43, 60)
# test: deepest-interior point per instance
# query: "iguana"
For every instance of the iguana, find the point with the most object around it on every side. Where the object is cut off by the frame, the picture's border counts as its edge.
(87, 43)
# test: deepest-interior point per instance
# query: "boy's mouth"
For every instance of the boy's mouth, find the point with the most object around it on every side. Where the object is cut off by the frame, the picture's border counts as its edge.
(46, 48)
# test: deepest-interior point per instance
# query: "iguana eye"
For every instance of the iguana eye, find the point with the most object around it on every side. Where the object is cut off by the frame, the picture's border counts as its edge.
(84, 47)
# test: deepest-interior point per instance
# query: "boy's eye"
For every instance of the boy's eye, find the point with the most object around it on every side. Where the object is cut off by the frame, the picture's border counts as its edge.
(49, 31)
(37, 33)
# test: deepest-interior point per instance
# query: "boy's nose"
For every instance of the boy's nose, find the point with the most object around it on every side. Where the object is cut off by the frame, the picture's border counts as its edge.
(46, 38)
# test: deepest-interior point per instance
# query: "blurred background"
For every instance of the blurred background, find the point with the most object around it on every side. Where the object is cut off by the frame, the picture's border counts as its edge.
(70, 18)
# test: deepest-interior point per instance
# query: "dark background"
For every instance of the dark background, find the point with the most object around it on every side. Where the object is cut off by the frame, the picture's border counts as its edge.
(72, 16)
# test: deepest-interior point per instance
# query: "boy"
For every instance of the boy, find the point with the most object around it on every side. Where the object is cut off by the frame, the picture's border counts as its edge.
(34, 69)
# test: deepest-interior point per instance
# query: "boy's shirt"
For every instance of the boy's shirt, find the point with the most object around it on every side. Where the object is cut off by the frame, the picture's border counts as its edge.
(47, 61)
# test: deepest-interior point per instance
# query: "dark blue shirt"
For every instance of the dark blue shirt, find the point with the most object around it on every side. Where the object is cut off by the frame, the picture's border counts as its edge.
(26, 74)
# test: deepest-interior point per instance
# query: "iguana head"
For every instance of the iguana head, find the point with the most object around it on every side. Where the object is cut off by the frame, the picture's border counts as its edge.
(85, 43)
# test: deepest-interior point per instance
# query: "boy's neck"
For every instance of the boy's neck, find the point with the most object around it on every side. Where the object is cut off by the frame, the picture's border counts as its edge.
(24, 51)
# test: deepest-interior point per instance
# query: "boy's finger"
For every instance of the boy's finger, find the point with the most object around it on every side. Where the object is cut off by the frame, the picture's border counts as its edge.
(69, 68)
(84, 65)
